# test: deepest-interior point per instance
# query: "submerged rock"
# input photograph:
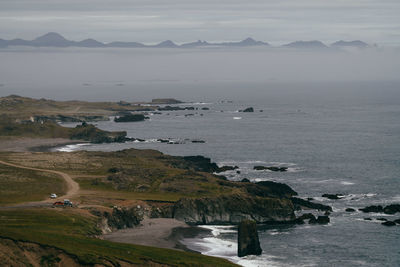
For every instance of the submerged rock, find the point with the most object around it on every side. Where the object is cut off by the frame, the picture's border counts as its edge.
(248, 242)
(333, 196)
(389, 223)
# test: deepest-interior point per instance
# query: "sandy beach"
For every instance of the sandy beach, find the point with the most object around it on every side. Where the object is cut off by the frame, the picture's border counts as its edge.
(157, 232)
(35, 144)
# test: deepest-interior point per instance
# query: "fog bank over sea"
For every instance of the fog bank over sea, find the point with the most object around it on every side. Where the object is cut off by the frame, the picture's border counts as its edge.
(143, 73)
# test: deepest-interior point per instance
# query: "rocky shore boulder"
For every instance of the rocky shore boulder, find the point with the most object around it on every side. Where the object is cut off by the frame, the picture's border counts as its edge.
(270, 168)
(250, 109)
(270, 189)
(320, 220)
(226, 168)
(232, 209)
(130, 118)
(372, 209)
(89, 132)
(119, 218)
(195, 163)
(160, 101)
(248, 242)
(333, 196)
(391, 209)
(300, 203)
(388, 223)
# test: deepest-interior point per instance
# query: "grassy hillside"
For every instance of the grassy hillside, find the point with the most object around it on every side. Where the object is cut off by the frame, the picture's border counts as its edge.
(48, 129)
(21, 185)
(74, 233)
(18, 107)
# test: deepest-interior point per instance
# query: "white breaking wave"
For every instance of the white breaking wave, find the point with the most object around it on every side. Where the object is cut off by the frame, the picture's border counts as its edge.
(71, 148)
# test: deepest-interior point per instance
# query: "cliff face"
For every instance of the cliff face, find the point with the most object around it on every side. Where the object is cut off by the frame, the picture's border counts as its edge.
(233, 209)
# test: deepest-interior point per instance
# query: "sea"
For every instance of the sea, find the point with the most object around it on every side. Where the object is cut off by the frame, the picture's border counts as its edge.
(335, 136)
(341, 142)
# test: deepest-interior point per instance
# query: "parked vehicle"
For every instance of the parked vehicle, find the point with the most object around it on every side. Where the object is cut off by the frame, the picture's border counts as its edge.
(53, 195)
(65, 203)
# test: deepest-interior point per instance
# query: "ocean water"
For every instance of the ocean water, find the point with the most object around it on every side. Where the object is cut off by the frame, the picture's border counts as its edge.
(333, 118)
(334, 137)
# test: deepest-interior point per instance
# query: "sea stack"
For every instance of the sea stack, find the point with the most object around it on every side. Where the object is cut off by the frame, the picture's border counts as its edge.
(248, 243)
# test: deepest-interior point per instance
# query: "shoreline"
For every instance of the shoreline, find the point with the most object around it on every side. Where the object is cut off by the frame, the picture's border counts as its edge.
(158, 232)
(26, 144)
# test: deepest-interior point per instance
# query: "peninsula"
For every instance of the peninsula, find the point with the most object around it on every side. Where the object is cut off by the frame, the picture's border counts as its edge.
(145, 190)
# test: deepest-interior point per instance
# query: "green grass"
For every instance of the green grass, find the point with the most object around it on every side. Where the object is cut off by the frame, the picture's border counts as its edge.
(145, 174)
(72, 233)
(22, 185)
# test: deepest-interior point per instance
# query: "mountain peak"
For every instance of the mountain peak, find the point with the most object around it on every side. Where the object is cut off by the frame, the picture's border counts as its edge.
(167, 43)
(51, 39)
(355, 43)
(307, 44)
(51, 36)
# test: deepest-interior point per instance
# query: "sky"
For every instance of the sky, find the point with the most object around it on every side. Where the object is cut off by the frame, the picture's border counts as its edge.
(152, 21)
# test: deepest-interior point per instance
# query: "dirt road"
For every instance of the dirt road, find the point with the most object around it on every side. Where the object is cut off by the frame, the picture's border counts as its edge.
(72, 186)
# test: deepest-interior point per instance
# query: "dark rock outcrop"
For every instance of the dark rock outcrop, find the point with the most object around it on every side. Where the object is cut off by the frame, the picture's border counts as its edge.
(174, 108)
(89, 132)
(269, 188)
(333, 196)
(372, 209)
(391, 209)
(196, 163)
(198, 141)
(299, 203)
(320, 220)
(165, 101)
(306, 216)
(388, 223)
(248, 242)
(270, 168)
(232, 209)
(122, 218)
(250, 109)
(130, 118)
(226, 168)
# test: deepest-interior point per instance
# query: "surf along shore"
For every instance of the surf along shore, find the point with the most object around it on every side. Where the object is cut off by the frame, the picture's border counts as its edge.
(141, 197)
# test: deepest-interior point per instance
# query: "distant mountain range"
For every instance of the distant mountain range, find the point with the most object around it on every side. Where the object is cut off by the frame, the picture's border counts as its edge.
(53, 39)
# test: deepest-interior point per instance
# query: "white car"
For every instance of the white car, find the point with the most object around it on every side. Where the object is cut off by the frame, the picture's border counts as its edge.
(53, 195)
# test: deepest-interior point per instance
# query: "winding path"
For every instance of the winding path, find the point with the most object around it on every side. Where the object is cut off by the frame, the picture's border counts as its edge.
(72, 186)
